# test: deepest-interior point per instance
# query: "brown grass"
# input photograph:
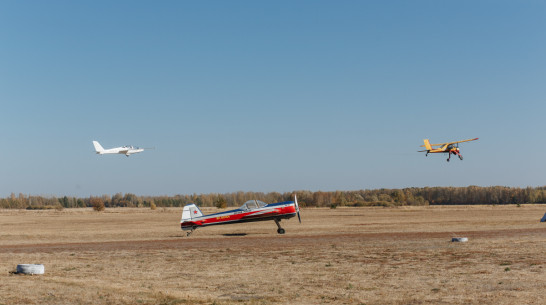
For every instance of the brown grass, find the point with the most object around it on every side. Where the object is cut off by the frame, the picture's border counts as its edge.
(337, 256)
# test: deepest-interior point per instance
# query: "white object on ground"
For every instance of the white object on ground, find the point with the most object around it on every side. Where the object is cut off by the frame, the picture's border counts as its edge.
(30, 268)
(459, 239)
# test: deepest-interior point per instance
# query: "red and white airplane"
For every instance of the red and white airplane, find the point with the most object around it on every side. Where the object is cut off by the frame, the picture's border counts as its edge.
(252, 210)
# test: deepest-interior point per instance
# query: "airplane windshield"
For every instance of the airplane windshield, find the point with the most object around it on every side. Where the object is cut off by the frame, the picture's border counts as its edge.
(253, 204)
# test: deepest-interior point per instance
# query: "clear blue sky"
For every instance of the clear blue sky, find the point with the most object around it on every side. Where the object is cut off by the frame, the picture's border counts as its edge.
(269, 95)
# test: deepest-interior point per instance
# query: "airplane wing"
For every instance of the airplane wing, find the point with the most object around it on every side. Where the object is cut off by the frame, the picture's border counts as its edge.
(463, 141)
(124, 151)
(435, 144)
(455, 142)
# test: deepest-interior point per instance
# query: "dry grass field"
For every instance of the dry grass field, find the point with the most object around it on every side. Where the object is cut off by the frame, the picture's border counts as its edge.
(336, 256)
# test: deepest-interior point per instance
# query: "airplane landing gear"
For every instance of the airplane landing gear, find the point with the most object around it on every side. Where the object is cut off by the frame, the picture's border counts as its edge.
(279, 230)
(191, 231)
(456, 153)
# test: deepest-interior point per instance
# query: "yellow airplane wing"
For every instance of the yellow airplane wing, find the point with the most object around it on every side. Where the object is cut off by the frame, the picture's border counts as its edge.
(434, 144)
(455, 142)
(462, 141)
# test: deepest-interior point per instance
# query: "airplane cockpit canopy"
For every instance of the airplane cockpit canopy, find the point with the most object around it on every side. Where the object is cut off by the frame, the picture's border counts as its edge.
(253, 204)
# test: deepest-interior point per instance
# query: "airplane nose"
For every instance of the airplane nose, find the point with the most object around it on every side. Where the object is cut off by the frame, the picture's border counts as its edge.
(297, 207)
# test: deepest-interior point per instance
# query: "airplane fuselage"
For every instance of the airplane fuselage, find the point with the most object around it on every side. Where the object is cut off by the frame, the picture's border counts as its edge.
(273, 211)
(124, 150)
(121, 150)
(445, 150)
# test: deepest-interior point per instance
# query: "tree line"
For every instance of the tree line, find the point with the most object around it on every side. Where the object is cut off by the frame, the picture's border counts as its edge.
(377, 197)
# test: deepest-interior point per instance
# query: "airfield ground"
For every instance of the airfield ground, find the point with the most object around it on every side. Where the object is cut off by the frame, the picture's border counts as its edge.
(337, 256)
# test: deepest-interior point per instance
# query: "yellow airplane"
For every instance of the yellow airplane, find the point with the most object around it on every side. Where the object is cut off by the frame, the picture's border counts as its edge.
(446, 148)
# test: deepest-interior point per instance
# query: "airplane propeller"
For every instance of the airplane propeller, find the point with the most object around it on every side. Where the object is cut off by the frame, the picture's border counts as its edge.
(297, 207)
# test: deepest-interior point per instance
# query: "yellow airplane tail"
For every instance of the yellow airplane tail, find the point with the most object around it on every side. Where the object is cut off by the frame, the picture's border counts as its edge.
(427, 144)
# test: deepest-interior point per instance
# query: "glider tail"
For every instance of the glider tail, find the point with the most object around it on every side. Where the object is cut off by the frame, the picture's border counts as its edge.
(190, 212)
(427, 144)
(98, 147)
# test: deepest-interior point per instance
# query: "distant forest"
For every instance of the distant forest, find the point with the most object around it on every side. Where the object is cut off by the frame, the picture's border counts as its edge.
(378, 197)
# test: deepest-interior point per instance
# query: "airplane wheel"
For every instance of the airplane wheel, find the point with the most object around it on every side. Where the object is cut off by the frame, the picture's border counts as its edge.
(461, 157)
(447, 160)
(280, 231)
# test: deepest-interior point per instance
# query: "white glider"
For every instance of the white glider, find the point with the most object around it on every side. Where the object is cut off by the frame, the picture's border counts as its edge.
(124, 150)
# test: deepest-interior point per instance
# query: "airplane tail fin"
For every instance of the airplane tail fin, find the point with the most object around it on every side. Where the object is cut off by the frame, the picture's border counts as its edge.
(427, 144)
(98, 147)
(190, 212)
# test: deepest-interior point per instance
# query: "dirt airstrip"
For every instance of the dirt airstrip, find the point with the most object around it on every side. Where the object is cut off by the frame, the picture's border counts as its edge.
(338, 256)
